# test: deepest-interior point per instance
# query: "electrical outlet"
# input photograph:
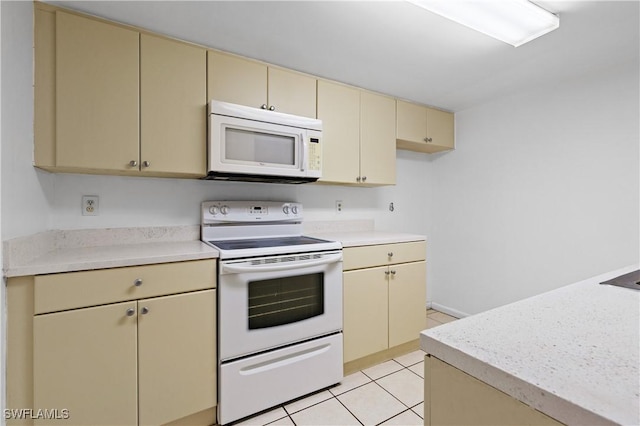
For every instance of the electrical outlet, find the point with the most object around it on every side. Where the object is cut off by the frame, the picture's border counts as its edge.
(90, 206)
(338, 206)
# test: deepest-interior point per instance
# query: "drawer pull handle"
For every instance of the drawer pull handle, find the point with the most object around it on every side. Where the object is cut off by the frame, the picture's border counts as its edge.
(390, 254)
(130, 312)
(144, 310)
(137, 282)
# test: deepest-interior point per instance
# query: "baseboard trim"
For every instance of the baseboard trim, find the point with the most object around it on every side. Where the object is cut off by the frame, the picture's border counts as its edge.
(447, 310)
(379, 357)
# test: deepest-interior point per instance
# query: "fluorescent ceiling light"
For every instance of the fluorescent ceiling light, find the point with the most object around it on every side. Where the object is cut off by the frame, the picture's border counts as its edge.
(512, 21)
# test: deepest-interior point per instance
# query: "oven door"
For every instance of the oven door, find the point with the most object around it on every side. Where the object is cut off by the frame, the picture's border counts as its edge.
(269, 302)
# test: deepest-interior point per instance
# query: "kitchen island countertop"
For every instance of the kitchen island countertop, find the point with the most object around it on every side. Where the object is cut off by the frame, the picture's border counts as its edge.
(571, 353)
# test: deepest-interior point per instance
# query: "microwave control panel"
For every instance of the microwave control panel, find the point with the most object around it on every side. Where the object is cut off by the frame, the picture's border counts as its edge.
(314, 154)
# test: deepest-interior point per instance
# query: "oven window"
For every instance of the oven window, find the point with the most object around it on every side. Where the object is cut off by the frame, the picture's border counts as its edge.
(255, 147)
(285, 300)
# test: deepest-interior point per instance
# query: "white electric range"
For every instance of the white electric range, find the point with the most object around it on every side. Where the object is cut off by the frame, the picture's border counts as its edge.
(279, 305)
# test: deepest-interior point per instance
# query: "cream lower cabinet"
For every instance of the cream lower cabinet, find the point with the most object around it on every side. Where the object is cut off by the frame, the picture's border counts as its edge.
(384, 297)
(359, 144)
(453, 397)
(242, 81)
(99, 361)
(424, 129)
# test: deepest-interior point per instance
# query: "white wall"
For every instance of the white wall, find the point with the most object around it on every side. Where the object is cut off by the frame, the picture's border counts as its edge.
(132, 201)
(542, 191)
(26, 192)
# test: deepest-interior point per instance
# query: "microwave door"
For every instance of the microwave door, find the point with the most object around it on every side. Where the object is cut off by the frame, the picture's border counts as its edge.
(263, 149)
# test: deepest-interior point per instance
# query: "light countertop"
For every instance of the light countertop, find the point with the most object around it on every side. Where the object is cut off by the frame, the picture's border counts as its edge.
(80, 250)
(572, 353)
(87, 258)
(85, 249)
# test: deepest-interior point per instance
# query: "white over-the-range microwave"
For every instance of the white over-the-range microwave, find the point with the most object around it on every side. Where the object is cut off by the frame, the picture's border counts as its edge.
(259, 145)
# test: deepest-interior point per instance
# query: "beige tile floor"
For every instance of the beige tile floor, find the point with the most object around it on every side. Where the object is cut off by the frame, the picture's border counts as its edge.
(390, 393)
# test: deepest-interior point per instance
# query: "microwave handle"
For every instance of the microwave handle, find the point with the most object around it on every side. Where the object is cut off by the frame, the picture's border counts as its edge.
(289, 265)
(303, 152)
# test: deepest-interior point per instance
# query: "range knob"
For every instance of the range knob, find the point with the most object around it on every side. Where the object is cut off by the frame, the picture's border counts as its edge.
(224, 209)
(294, 209)
(285, 209)
(214, 210)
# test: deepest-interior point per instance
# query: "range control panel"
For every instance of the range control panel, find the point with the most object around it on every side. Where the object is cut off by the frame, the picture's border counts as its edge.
(250, 211)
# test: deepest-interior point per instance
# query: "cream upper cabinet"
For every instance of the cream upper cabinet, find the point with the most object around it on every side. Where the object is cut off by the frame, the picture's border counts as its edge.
(339, 110)
(358, 135)
(384, 297)
(245, 82)
(236, 80)
(114, 101)
(424, 129)
(377, 139)
(173, 127)
(291, 92)
(97, 94)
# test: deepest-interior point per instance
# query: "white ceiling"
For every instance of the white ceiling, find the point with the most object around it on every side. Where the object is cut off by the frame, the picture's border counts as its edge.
(394, 47)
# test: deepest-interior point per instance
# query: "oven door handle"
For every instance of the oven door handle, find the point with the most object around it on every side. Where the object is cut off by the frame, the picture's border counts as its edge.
(284, 266)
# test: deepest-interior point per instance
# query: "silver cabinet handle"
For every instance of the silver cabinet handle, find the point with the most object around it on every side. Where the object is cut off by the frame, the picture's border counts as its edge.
(387, 272)
(144, 310)
(272, 108)
(146, 164)
(428, 140)
(364, 178)
(130, 312)
(263, 106)
(358, 179)
(390, 254)
(393, 272)
(137, 282)
(133, 163)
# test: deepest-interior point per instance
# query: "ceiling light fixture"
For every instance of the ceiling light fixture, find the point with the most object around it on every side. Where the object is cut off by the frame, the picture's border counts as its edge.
(513, 21)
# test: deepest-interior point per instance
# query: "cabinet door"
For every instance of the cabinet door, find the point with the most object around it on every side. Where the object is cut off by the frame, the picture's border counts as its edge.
(365, 312)
(177, 356)
(407, 302)
(411, 122)
(236, 80)
(85, 361)
(97, 92)
(377, 139)
(292, 93)
(173, 86)
(339, 110)
(440, 129)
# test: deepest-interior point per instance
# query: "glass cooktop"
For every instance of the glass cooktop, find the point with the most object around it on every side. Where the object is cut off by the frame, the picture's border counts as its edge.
(265, 242)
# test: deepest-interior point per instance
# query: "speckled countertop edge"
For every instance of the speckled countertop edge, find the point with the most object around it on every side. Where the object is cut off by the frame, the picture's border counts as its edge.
(80, 250)
(537, 350)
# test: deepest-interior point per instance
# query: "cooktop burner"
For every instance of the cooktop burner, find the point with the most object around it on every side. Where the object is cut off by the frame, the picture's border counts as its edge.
(265, 242)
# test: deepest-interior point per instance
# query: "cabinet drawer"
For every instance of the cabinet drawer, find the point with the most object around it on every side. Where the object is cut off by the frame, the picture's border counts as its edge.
(378, 255)
(72, 290)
